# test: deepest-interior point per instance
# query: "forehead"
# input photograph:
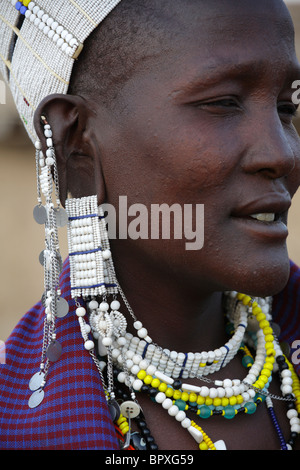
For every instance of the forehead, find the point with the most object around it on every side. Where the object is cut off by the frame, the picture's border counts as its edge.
(219, 15)
(235, 24)
(229, 36)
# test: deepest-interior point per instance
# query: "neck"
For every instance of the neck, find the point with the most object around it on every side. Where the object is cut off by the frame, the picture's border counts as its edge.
(176, 315)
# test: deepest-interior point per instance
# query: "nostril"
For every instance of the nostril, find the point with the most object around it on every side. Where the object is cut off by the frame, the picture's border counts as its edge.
(273, 161)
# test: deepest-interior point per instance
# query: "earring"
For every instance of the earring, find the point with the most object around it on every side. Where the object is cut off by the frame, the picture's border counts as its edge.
(51, 217)
(93, 278)
(89, 252)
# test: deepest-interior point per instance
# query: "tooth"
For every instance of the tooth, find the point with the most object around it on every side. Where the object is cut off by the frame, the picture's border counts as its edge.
(264, 217)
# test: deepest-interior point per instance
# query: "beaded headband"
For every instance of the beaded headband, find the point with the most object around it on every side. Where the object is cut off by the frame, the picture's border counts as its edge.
(39, 42)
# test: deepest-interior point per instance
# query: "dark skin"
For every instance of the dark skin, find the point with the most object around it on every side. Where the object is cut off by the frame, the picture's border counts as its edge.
(207, 122)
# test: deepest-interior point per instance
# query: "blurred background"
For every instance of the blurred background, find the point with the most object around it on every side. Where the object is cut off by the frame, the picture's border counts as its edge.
(22, 240)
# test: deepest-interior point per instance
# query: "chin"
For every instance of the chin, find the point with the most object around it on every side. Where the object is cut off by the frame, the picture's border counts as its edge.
(265, 278)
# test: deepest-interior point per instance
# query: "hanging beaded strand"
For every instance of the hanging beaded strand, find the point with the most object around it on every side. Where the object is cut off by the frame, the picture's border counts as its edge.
(92, 275)
(51, 217)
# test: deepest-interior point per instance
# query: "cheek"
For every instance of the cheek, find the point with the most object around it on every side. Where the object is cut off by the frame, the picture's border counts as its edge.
(294, 178)
(179, 161)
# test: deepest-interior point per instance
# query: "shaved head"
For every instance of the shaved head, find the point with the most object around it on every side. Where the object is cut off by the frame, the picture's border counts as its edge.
(136, 31)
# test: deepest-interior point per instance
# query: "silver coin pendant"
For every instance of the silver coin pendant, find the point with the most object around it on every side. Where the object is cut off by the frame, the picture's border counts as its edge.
(36, 398)
(36, 381)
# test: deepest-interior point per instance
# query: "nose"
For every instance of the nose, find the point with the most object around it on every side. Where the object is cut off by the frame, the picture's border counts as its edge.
(274, 149)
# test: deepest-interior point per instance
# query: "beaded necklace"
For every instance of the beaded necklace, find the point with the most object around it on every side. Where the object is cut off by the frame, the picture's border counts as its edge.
(142, 366)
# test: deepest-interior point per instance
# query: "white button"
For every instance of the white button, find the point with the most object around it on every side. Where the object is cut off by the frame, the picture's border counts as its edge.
(130, 409)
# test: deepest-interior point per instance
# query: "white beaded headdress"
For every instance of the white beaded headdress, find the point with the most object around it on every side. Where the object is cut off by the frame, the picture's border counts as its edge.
(39, 41)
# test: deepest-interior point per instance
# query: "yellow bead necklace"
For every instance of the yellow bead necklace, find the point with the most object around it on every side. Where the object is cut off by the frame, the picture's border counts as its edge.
(141, 371)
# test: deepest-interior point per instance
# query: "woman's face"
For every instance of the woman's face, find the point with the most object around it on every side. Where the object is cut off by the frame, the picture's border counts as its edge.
(210, 122)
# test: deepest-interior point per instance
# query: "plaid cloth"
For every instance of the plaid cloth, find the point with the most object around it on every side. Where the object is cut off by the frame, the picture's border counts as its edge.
(73, 414)
(286, 313)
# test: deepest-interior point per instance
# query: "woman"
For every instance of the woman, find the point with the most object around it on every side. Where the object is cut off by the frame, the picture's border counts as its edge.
(185, 103)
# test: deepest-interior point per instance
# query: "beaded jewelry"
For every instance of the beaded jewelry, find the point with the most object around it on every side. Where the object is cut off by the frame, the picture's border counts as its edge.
(88, 249)
(49, 27)
(39, 43)
(50, 258)
(142, 366)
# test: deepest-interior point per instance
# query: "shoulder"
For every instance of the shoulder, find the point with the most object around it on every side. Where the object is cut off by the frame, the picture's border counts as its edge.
(286, 304)
(26, 334)
(74, 413)
(286, 311)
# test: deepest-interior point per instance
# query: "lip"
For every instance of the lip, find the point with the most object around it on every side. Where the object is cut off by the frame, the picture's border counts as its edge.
(276, 203)
(271, 231)
(267, 203)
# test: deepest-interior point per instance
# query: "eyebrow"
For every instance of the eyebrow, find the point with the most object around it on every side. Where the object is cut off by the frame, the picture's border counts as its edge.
(228, 70)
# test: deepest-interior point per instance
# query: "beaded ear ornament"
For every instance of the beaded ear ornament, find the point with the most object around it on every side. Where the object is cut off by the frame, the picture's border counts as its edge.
(130, 364)
(51, 217)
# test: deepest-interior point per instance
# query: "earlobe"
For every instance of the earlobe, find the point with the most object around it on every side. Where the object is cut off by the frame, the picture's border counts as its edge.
(76, 152)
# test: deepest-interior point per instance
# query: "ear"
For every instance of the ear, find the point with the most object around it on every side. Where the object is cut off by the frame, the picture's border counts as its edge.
(76, 146)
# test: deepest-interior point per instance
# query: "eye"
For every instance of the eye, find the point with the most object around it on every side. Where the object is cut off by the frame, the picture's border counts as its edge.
(226, 102)
(220, 105)
(287, 111)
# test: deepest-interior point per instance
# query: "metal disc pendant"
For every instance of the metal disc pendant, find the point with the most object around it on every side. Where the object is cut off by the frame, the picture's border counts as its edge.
(42, 258)
(36, 381)
(36, 398)
(62, 307)
(61, 216)
(276, 328)
(114, 410)
(44, 261)
(285, 348)
(54, 351)
(40, 214)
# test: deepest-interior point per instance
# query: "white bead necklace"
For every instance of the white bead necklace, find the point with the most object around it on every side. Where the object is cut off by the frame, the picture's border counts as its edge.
(169, 362)
(127, 353)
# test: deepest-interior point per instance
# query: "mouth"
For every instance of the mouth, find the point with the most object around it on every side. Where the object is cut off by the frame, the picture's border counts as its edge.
(265, 217)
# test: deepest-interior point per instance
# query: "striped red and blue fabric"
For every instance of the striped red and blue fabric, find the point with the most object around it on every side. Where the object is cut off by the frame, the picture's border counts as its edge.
(286, 313)
(74, 414)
